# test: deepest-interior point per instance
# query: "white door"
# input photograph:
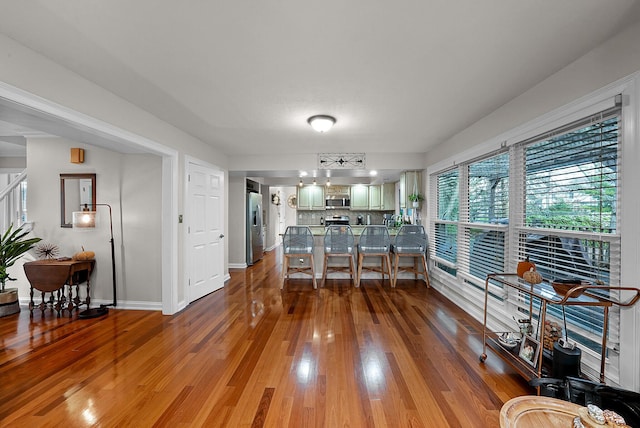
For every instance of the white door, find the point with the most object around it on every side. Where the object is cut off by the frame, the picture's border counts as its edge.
(205, 227)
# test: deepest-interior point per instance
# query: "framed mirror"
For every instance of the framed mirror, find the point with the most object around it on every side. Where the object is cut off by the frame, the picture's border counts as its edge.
(76, 190)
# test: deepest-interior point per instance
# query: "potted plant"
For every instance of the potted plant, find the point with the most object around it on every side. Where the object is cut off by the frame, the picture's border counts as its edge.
(416, 198)
(13, 245)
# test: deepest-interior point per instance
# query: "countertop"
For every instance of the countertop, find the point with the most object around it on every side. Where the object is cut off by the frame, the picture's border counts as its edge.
(357, 230)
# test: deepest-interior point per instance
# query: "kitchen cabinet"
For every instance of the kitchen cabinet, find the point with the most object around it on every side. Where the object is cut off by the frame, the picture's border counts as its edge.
(382, 197)
(388, 197)
(410, 182)
(359, 197)
(311, 198)
(375, 197)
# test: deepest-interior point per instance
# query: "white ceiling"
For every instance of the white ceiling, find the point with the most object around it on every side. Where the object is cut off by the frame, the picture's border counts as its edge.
(244, 76)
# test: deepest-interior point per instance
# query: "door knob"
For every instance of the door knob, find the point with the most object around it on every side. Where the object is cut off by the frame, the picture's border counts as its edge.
(221, 236)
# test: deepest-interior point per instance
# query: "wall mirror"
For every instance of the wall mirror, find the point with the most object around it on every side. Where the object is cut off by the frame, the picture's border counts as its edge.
(76, 190)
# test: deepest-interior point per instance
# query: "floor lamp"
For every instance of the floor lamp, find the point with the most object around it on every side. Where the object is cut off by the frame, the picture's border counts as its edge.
(86, 219)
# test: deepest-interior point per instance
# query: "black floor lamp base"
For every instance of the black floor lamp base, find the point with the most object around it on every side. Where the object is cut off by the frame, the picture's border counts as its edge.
(93, 312)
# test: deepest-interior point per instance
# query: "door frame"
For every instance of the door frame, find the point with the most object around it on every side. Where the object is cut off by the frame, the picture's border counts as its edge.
(102, 134)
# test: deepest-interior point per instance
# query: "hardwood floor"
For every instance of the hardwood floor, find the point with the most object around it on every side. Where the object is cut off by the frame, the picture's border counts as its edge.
(253, 355)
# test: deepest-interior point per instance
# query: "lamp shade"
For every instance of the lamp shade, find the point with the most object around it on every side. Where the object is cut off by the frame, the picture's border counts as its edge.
(321, 122)
(84, 219)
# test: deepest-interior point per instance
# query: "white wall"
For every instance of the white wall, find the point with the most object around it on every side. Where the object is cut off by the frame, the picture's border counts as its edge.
(616, 59)
(140, 199)
(279, 214)
(131, 185)
(13, 164)
(309, 161)
(237, 232)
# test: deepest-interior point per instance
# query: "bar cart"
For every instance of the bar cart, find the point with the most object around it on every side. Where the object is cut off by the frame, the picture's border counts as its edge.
(579, 295)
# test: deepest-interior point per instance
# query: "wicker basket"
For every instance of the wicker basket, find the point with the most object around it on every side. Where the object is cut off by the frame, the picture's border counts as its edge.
(552, 332)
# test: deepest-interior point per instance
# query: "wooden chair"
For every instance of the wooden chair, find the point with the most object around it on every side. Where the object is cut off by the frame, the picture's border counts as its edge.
(298, 244)
(411, 241)
(374, 241)
(339, 242)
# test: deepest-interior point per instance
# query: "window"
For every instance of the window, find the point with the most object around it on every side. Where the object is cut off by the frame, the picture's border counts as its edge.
(562, 212)
(446, 228)
(569, 227)
(487, 212)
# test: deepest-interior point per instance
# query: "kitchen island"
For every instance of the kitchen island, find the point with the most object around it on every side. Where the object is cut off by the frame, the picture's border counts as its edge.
(318, 255)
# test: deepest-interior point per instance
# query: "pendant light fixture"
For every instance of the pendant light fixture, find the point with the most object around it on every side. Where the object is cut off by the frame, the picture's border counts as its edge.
(321, 122)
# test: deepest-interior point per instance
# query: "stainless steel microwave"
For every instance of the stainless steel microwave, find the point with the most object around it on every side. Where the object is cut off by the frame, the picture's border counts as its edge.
(334, 202)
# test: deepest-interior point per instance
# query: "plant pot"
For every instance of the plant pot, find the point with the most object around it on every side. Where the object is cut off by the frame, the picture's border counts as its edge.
(9, 304)
(416, 204)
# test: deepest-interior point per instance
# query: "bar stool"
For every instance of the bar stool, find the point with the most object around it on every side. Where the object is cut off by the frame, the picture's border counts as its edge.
(298, 244)
(411, 241)
(339, 242)
(374, 241)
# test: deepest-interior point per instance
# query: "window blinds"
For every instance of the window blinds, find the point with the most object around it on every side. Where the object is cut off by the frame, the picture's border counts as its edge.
(444, 245)
(485, 218)
(554, 198)
(568, 219)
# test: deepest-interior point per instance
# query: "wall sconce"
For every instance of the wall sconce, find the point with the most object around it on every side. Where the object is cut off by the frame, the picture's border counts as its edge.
(77, 155)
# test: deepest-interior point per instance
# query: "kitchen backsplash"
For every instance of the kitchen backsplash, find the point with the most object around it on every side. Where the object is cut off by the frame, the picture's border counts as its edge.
(312, 218)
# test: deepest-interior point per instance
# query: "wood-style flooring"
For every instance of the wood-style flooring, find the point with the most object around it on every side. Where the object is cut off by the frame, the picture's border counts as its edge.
(252, 355)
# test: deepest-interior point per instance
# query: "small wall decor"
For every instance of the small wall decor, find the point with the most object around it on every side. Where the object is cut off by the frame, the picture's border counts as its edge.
(341, 161)
(275, 198)
(292, 201)
(77, 155)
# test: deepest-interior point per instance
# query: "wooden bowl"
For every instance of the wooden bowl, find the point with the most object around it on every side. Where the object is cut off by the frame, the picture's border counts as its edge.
(563, 288)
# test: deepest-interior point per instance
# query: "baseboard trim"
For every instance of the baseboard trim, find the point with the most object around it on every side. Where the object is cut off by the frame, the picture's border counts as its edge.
(127, 304)
(237, 265)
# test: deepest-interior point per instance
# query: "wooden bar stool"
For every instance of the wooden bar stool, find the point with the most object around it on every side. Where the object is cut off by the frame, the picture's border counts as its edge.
(339, 242)
(374, 241)
(298, 244)
(411, 241)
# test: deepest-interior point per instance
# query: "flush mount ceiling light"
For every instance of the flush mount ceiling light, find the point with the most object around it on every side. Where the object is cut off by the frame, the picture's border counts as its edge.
(321, 122)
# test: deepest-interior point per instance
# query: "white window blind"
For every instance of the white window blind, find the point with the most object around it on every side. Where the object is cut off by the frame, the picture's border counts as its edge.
(484, 219)
(445, 191)
(554, 198)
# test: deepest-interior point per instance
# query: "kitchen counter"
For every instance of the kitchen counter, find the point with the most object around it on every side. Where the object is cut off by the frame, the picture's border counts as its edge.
(318, 255)
(357, 230)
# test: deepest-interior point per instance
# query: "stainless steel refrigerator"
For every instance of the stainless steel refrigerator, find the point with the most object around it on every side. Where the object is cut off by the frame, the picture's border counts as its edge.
(255, 245)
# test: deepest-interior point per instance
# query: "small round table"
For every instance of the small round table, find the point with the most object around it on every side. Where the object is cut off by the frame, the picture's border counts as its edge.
(531, 411)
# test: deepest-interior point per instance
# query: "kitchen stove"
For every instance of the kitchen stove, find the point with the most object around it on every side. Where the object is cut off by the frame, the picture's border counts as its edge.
(337, 220)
